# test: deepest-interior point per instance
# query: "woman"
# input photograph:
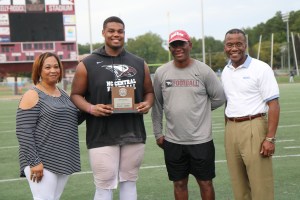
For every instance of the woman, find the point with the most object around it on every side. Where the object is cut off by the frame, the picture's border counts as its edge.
(47, 131)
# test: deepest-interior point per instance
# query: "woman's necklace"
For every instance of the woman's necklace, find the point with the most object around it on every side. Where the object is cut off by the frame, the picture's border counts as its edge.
(53, 94)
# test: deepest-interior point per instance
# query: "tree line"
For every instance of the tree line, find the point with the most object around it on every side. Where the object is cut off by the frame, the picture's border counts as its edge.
(154, 49)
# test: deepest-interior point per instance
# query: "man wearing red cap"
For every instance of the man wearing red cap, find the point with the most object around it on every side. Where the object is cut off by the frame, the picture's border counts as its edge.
(186, 90)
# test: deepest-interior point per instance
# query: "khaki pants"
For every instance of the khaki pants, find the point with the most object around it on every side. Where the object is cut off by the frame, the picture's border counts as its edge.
(251, 174)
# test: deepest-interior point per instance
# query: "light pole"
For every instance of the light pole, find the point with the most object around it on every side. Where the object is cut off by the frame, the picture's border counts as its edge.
(285, 18)
(90, 27)
(169, 53)
(203, 37)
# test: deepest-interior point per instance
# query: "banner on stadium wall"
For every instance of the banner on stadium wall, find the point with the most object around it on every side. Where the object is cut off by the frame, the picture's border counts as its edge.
(65, 6)
(2, 57)
(12, 8)
(4, 31)
(4, 39)
(70, 33)
(5, 2)
(73, 55)
(69, 20)
(46, 2)
(67, 9)
(4, 20)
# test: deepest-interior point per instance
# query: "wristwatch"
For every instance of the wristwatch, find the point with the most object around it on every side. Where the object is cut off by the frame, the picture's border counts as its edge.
(271, 139)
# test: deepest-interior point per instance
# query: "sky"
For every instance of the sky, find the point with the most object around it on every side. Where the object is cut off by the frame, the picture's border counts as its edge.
(164, 16)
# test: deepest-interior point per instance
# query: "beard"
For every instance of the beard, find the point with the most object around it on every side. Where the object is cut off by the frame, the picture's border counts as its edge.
(115, 48)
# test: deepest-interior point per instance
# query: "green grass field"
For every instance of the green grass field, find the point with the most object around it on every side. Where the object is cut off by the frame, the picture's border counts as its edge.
(153, 183)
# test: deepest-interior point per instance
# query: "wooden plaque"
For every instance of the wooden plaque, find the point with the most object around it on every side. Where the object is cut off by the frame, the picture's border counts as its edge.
(123, 100)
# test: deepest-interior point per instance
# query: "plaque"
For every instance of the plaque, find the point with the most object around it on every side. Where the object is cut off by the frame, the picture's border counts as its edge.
(123, 100)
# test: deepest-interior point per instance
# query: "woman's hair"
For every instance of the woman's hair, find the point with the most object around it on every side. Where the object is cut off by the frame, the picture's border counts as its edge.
(38, 65)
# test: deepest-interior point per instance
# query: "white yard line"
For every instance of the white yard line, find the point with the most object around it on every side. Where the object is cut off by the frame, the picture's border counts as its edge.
(8, 131)
(288, 126)
(291, 111)
(8, 122)
(149, 136)
(9, 147)
(142, 168)
(282, 126)
(292, 147)
(292, 140)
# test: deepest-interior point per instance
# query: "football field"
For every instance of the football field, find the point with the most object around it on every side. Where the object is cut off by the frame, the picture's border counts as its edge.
(153, 183)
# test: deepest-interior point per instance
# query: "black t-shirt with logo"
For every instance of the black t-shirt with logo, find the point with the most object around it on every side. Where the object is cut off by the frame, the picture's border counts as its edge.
(103, 72)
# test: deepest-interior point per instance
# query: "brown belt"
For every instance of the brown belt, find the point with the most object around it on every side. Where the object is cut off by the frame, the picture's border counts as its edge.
(245, 118)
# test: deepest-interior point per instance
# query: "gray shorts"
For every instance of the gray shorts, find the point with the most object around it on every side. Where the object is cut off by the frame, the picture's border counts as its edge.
(113, 164)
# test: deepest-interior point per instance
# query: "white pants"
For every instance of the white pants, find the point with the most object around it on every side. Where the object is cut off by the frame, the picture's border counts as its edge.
(49, 188)
(113, 164)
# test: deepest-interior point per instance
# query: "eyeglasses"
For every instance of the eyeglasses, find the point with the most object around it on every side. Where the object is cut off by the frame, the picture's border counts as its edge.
(231, 45)
(178, 43)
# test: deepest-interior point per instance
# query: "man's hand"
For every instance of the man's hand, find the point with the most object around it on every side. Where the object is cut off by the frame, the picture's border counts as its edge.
(101, 110)
(160, 142)
(143, 107)
(267, 148)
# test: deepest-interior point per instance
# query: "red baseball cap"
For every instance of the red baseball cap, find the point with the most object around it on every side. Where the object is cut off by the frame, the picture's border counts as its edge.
(179, 35)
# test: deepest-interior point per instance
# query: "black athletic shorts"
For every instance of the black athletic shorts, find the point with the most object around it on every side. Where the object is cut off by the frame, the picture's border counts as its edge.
(182, 160)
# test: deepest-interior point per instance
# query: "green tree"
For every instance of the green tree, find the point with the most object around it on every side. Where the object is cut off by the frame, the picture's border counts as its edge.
(85, 48)
(211, 46)
(148, 46)
(265, 53)
(218, 61)
(277, 26)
